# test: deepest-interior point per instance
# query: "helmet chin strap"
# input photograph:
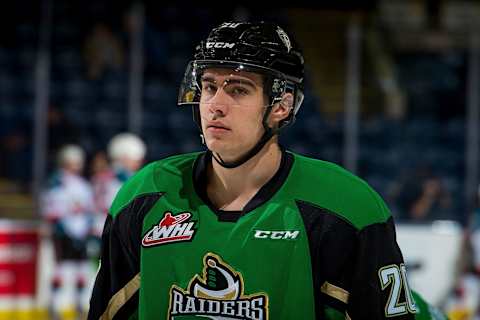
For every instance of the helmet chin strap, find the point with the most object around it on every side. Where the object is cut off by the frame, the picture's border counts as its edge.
(267, 135)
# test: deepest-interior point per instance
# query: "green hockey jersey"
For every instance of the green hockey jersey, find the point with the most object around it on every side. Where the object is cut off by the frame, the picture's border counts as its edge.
(315, 242)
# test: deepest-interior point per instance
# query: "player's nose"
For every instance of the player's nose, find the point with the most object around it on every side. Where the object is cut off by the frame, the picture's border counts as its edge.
(220, 102)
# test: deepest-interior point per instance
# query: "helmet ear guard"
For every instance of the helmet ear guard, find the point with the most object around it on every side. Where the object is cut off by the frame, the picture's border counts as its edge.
(287, 101)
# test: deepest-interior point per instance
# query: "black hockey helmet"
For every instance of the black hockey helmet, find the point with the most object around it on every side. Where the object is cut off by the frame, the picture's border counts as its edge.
(259, 47)
(255, 47)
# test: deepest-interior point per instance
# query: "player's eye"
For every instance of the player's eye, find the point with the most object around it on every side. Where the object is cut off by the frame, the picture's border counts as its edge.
(209, 87)
(237, 90)
(240, 91)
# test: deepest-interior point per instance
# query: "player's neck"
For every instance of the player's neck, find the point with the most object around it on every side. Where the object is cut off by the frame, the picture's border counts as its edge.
(231, 189)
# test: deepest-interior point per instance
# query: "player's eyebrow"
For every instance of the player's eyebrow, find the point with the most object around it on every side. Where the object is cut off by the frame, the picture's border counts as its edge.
(243, 81)
(233, 80)
(209, 79)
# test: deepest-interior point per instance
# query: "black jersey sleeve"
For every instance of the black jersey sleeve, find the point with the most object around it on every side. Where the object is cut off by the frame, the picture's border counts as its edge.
(357, 274)
(379, 288)
(115, 293)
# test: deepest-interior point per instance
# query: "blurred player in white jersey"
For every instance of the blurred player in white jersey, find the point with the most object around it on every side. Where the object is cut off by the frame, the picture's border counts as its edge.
(67, 205)
(126, 152)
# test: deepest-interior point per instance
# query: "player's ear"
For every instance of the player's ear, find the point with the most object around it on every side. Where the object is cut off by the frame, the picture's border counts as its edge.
(282, 109)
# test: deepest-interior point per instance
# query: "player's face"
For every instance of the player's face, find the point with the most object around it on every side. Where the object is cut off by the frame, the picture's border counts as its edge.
(130, 164)
(232, 105)
(74, 167)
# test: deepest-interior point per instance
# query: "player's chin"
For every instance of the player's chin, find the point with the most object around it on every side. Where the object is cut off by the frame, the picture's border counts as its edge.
(220, 145)
(217, 145)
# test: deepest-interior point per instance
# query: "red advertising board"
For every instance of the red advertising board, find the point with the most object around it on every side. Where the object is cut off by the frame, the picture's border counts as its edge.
(19, 243)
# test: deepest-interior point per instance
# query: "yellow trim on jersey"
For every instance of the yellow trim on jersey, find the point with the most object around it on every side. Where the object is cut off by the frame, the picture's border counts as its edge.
(335, 292)
(347, 317)
(121, 297)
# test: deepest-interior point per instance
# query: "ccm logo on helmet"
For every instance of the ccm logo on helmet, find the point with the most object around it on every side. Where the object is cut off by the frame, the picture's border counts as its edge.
(276, 235)
(220, 45)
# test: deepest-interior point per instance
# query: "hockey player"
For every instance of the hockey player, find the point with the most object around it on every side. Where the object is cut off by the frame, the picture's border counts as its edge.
(126, 152)
(248, 230)
(67, 205)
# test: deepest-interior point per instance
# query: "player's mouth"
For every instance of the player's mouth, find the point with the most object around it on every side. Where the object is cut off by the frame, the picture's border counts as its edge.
(217, 127)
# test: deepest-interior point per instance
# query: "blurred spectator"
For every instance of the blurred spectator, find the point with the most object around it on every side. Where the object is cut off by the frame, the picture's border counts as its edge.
(105, 185)
(157, 50)
(422, 197)
(60, 132)
(431, 202)
(474, 230)
(101, 172)
(471, 251)
(16, 154)
(103, 51)
(67, 205)
(471, 273)
(463, 302)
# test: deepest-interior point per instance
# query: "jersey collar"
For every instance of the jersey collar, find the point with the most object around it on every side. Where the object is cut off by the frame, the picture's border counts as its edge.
(263, 195)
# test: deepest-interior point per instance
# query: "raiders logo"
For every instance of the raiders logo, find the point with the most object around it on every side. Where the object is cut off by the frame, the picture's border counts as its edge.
(217, 294)
(170, 229)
